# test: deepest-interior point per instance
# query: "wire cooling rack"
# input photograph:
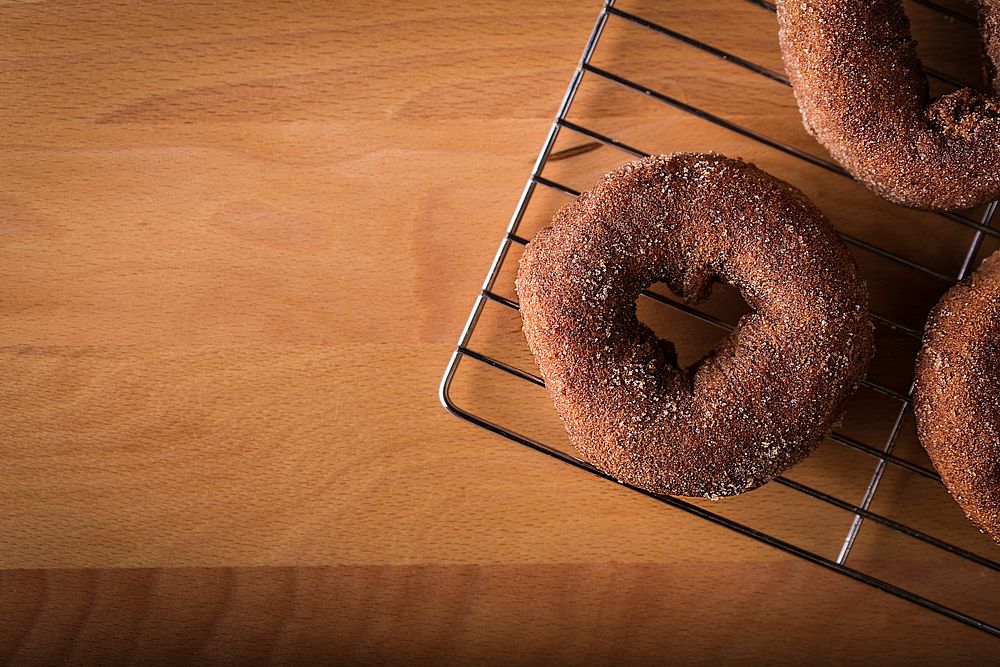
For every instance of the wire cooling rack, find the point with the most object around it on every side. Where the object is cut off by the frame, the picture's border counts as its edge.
(896, 545)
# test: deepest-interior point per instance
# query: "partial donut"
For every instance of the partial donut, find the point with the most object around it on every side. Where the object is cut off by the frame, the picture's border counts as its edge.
(862, 92)
(766, 396)
(957, 401)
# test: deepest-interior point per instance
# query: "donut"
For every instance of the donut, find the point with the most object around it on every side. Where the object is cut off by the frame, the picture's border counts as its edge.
(957, 399)
(863, 94)
(766, 395)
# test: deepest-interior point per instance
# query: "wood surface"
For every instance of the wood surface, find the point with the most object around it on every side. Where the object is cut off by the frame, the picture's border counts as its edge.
(237, 244)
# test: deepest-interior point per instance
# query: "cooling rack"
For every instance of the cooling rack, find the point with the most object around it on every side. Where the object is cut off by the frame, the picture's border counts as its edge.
(895, 545)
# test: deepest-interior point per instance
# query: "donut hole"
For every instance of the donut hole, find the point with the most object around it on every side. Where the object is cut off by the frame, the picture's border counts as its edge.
(952, 47)
(692, 337)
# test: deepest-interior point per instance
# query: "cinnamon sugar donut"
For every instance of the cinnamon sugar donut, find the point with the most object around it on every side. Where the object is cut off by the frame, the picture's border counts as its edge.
(766, 396)
(862, 91)
(957, 401)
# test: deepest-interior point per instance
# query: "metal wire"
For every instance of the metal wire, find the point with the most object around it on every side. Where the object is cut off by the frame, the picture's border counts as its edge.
(883, 455)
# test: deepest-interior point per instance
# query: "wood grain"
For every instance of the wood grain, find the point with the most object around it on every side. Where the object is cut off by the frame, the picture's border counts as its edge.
(237, 243)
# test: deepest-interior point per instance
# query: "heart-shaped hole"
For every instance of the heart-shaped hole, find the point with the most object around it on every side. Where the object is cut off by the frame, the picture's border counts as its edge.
(693, 338)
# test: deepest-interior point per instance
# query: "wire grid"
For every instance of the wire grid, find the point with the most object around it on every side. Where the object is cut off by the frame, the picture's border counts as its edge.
(884, 456)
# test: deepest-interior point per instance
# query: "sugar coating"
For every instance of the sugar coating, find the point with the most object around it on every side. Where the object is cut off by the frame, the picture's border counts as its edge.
(957, 401)
(766, 396)
(863, 94)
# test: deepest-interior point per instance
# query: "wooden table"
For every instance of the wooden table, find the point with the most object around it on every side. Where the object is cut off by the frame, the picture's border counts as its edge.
(237, 244)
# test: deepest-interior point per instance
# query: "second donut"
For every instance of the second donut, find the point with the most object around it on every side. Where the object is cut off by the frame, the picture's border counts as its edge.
(863, 93)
